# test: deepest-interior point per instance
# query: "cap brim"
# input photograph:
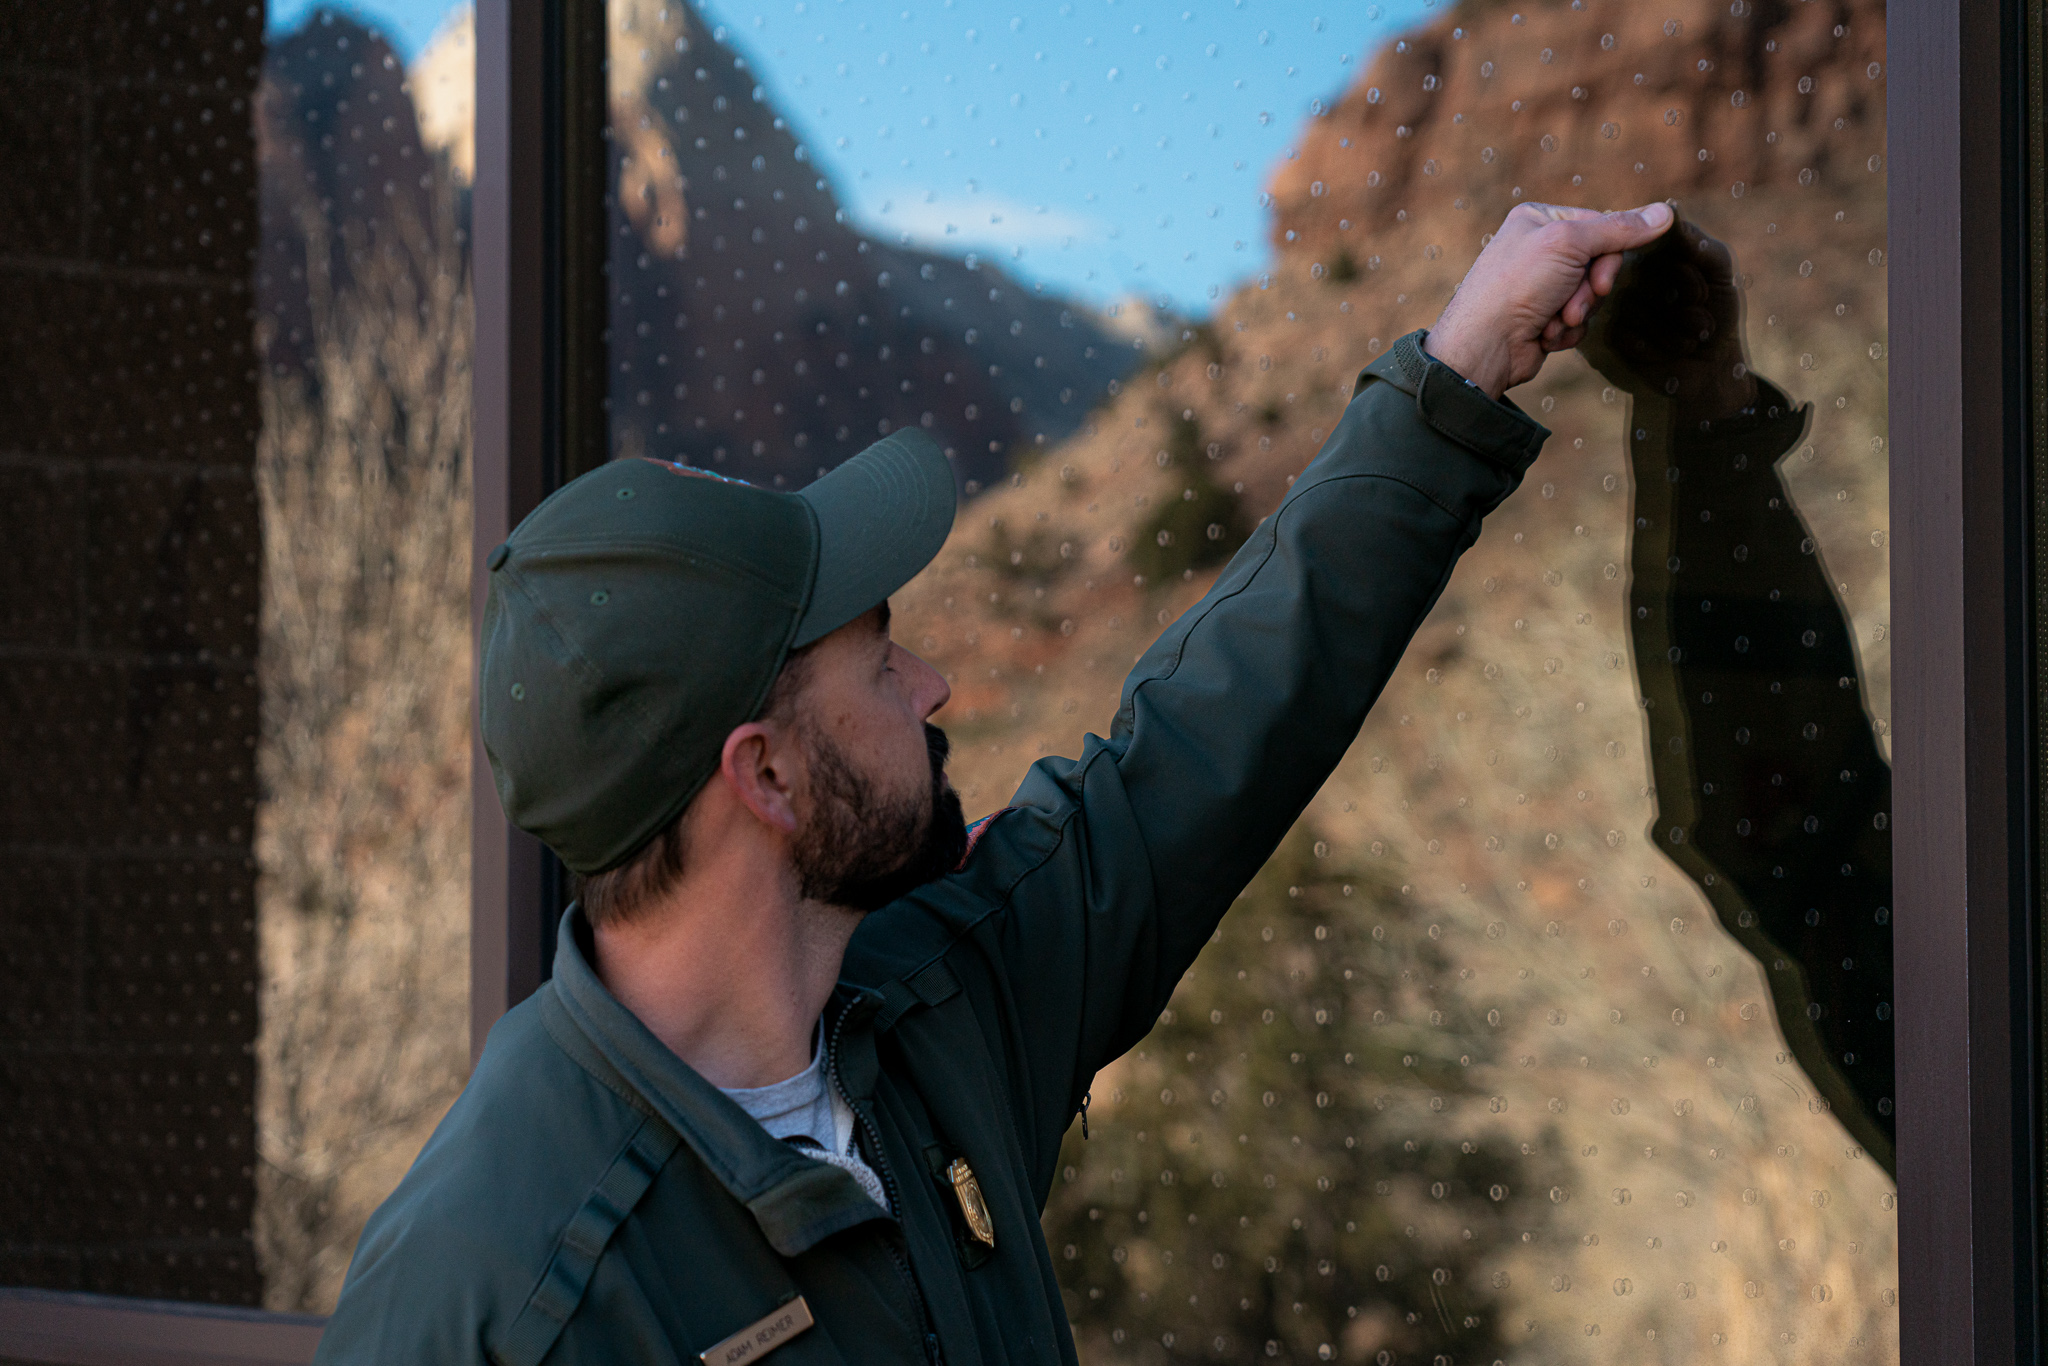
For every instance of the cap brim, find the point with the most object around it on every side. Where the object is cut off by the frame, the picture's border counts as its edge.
(882, 517)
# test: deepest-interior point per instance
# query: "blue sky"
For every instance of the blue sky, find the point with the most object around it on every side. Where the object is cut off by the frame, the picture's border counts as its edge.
(1103, 148)
(406, 24)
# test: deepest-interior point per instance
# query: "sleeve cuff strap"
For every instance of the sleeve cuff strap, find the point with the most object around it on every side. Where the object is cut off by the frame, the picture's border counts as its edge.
(1455, 408)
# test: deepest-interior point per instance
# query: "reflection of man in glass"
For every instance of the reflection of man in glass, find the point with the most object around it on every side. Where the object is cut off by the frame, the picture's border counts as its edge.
(800, 1080)
(1771, 793)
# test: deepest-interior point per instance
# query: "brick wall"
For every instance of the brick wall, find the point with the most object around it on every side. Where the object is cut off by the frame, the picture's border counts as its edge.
(129, 579)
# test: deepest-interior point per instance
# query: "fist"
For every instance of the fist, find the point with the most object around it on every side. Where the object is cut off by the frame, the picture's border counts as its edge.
(1533, 288)
(1673, 327)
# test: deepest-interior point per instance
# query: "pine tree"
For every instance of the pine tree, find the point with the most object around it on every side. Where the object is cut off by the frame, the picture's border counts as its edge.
(1294, 1163)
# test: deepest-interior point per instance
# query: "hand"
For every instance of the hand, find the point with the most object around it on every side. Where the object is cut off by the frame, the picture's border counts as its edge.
(1673, 327)
(1533, 287)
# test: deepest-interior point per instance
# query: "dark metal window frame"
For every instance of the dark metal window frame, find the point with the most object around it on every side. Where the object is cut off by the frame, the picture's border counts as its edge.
(538, 255)
(1965, 784)
(100, 1330)
(1968, 263)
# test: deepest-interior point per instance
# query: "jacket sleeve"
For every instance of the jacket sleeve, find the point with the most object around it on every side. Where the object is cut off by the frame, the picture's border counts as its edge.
(406, 1302)
(1772, 794)
(1126, 858)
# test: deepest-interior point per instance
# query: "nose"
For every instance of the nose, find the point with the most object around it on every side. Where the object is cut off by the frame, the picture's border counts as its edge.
(929, 690)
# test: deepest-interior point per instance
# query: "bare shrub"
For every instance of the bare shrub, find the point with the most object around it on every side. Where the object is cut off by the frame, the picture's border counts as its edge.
(362, 835)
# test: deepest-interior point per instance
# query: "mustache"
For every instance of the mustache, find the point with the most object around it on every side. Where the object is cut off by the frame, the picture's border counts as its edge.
(939, 747)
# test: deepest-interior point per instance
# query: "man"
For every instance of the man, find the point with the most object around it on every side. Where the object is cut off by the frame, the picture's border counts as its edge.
(799, 1082)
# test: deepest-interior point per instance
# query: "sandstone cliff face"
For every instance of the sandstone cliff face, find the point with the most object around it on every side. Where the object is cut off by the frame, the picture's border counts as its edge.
(1500, 790)
(1605, 102)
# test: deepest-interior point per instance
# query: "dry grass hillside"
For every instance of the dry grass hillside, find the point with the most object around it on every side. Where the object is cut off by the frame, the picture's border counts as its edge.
(1499, 792)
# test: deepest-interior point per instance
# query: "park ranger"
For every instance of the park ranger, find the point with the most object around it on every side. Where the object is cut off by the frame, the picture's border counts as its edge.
(799, 1081)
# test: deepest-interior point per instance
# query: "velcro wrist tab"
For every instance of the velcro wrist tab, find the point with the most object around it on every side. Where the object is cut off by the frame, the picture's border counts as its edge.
(1456, 408)
(1402, 365)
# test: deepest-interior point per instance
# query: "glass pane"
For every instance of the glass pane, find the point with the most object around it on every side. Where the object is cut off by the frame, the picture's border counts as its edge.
(1559, 1027)
(236, 659)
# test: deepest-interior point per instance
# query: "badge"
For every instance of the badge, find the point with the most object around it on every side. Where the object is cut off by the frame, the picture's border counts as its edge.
(756, 1340)
(971, 1204)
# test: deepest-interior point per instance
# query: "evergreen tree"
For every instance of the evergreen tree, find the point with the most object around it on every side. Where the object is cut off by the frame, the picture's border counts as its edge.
(1293, 1164)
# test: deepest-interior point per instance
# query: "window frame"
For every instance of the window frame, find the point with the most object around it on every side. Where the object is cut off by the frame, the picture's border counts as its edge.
(1965, 195)
(1964, 857)
(105, 1330)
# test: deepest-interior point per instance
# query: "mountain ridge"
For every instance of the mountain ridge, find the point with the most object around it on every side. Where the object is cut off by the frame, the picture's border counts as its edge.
(720, 224)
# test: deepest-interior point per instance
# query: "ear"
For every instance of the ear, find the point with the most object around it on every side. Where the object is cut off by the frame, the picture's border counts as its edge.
(758, 764)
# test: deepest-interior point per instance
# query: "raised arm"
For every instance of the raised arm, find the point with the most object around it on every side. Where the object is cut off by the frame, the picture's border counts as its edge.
(1114, 868)
(1771, 792)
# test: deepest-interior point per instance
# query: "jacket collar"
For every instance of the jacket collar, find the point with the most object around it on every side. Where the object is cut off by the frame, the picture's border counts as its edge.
(797, 1201)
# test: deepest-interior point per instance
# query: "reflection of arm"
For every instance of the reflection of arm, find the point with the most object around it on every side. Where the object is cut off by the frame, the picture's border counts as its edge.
(1114, 868)
(1771, 792)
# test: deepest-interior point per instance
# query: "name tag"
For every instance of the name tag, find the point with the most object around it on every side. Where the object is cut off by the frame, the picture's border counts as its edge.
(758, 1339)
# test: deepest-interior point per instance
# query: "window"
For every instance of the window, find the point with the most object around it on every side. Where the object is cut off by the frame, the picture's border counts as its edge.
(236, 654)
(1561, 1021)
(1520, 1046)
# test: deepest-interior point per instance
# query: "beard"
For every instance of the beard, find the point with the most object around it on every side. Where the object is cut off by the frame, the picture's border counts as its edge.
(862, 851)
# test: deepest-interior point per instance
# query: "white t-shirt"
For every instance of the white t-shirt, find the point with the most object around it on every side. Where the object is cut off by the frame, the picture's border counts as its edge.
(808, 1112)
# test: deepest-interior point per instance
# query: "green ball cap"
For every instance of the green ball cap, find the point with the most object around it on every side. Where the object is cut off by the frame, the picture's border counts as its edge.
(644, 610)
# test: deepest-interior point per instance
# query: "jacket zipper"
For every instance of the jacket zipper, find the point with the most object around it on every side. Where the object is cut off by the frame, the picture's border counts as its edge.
(897, 1253)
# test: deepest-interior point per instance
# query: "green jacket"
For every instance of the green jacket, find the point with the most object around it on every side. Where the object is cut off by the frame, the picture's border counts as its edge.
(590, 1199)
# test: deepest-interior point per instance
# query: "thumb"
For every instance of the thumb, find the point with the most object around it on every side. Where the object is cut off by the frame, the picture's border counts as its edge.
(1607, 233)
